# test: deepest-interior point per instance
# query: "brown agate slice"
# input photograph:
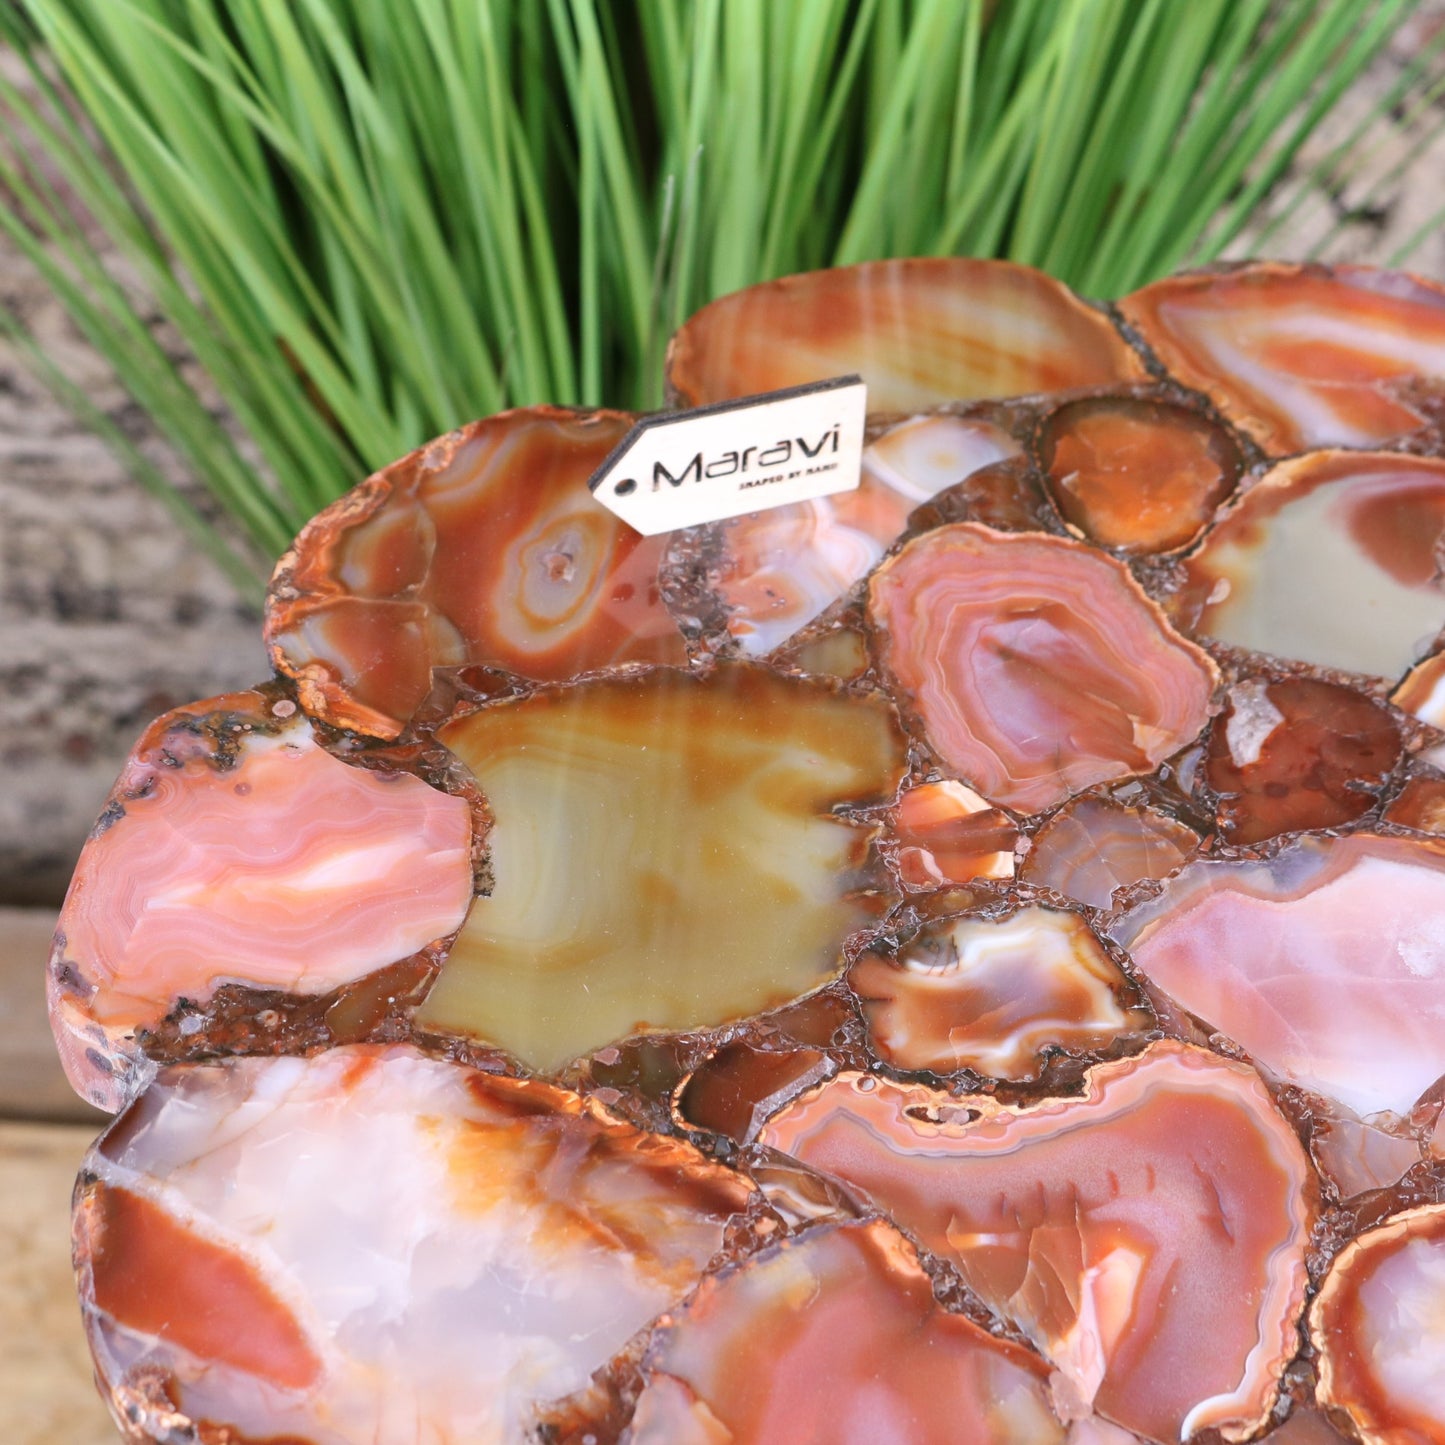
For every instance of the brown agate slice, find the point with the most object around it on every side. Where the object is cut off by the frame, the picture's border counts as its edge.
(1295, 754)
(1326, 962)
(735, 1090)
(781, 568)
(664, 854)
(1142, 476)
(1149, 1237)
(483, 547)
(371, 1244)
(948, 834)
(235, 849)
(995, 996)
(1300, 356)
(919, 332)
(1330, 559)
(1094, 846)
(1037, 665)
(1379, 1325)
(832, 1337)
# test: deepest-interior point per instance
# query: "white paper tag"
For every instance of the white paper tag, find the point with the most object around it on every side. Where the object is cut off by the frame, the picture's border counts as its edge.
(684, 468)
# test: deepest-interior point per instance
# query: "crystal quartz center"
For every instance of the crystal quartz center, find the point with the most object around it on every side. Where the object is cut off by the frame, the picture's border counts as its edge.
(1148, 1237)
(1379, 1325)
(1325, 962)
(1037, 665)
(836, 1337)
(779, 569)
(1301, 356)
(484, 546)
(919, 332)
(664, 854)
(1142, 476)
(235, 849)
(1330, 559)
(995, 996)
(375, 1245)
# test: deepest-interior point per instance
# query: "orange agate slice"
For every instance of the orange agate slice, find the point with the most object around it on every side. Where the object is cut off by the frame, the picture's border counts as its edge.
(997, 996)
(1136, 474)
(1301, 356)
(235, 849)
(836, 1336)
(919, 332)
(1148, 1237)
(483, 547)
(1037, 665)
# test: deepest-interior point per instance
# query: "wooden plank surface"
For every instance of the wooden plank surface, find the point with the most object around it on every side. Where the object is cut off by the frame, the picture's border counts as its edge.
(32, 1085)
(46, 1383)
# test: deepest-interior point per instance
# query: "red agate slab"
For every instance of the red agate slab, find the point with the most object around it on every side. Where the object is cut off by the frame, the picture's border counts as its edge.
(919, 332)
(1326, 962)
(1379, 1325)
(836, 1336)
(1037, 665)
(1294, 753)
(231, 852)
(1149, 1237)
(1303, 356)
(484, 546)
(374, 1245)
(1330, 559)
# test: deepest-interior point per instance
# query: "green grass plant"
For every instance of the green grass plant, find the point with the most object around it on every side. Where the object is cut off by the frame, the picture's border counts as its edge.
(370, 220)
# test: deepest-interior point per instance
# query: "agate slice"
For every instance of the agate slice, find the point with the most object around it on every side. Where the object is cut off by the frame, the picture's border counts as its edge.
(230, 853)
(919, 332)
(1379, 1325)
(1325, 962)
(1148, 1237)
(373, 1245)
(947, 834)
(483, 547)
(1037, 666)
(664, 854)
(1095, 846)
(780, 569)
(1293, 754)
(995, 996)
(1331, 559)
(1135, 474)
(830, 1338)
(1302, 356)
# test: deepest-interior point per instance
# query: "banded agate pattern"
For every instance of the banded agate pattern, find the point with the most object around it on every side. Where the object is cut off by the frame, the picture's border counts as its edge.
(957, 960)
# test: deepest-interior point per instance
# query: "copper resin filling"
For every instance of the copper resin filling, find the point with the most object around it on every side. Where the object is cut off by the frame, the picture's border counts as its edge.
(957, 960)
